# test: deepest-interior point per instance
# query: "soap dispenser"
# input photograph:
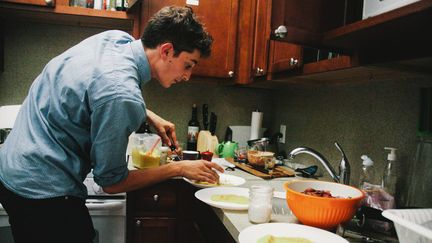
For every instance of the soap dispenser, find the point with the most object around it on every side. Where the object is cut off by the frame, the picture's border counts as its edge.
(389, 178)
(367, 173)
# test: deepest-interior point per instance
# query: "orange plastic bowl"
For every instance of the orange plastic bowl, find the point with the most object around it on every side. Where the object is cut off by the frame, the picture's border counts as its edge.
(325, 213)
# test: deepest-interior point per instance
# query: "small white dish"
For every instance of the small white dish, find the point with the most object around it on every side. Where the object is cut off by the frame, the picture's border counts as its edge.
(255, 232)
(206, 194)
(224, 180)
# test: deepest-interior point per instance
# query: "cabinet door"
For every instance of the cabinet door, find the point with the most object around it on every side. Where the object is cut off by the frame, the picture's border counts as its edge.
(161, 230)
(220, 19)
(283, 56)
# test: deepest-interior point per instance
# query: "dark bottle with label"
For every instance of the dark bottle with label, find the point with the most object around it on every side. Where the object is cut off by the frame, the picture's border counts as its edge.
(193, 129)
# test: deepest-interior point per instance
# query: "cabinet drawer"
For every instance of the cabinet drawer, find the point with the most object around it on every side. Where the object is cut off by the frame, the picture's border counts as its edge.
(156, 200)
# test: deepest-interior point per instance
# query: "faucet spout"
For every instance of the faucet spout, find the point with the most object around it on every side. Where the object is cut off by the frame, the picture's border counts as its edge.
(318, 156)
(344, 166)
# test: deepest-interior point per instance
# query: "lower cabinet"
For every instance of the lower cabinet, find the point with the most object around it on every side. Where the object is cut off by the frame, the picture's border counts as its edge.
(169, 212)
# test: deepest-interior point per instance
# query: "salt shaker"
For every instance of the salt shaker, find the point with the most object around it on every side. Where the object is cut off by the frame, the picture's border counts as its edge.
(260, 203)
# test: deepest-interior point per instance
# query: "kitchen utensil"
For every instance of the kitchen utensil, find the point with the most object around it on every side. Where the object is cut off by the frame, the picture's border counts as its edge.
(173, 148)
(213, 140)
(308, 171)
(323, 212)
(205, 116)
(153, 147)
(228, 135)
(278, 171)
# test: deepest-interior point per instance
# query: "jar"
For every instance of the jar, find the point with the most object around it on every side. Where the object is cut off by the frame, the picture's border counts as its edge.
(260, 203)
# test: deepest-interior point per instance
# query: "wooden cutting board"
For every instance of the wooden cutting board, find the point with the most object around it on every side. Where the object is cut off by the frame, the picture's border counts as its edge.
(278, 171)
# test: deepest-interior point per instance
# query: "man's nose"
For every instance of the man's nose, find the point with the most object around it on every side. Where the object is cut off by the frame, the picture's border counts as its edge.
(186, 76)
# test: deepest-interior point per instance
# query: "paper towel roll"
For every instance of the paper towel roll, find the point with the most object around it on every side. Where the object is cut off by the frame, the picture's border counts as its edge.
(256, 123)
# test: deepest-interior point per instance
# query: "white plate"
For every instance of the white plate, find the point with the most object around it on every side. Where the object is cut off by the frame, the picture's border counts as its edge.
(253, 233)
(224, 180)
(206, 194)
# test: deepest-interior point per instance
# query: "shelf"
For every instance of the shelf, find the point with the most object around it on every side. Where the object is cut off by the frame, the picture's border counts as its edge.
(68, 15)
(402, 33)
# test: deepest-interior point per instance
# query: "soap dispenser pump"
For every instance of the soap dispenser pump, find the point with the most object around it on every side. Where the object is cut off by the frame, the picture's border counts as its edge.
(367, 174)
(389, 178)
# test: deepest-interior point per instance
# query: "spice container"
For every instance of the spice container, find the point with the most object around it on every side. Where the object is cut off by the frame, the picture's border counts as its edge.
(260, 203)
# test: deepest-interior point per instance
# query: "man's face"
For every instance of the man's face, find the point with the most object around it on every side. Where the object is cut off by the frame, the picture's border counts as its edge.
(179, 68)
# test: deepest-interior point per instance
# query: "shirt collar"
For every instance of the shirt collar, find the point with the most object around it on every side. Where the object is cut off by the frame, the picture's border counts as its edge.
(141, 60)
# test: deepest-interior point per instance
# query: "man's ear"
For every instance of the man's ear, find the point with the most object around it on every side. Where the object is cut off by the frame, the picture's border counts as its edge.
(166, 50)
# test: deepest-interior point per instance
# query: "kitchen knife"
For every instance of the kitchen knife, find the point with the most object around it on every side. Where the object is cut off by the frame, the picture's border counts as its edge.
(213, 121)
(228, 135)
(205, 116)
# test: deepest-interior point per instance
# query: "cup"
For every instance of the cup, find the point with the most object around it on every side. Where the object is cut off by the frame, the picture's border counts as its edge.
(207, 155)
(226, 149)
(190, 155)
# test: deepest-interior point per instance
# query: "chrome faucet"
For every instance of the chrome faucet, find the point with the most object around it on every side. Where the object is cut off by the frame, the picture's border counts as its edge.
(344, 166)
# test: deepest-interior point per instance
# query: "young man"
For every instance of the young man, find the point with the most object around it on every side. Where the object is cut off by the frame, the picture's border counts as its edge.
(78, 116)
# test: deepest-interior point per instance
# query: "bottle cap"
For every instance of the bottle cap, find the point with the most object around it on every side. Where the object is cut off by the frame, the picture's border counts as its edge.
(392, 155)
(366, 160)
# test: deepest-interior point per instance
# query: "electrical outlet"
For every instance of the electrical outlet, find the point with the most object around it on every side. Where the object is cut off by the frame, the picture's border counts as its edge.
(283, 131)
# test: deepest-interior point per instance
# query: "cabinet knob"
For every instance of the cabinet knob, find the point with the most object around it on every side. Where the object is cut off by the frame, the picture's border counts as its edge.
(156, 197)
(281, 32)
(231, 74)
(259, 71)
(293, 61)
(138, 222)
(49, 3)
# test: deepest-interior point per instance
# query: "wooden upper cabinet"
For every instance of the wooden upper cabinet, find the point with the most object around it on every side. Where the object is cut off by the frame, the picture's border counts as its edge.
(48, 3)
(220, 19)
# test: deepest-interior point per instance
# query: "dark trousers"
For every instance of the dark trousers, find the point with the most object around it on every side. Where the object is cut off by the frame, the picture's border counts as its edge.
(54, 220)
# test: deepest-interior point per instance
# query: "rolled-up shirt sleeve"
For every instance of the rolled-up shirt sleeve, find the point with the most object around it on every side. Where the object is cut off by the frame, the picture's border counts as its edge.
(112, 123)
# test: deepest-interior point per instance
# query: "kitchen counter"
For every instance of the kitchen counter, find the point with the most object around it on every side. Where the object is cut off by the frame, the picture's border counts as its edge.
(236, 221)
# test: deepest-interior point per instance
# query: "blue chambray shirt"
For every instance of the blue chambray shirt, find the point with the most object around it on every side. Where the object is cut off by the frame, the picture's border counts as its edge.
(77, 116)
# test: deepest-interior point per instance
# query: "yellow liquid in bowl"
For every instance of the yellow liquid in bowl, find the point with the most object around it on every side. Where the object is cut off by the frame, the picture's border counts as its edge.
(142, 160)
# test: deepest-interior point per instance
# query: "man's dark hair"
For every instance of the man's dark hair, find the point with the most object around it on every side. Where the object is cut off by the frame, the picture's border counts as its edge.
(179, 26)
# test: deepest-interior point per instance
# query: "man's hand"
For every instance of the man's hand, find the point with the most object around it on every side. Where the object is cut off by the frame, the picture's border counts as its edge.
(200, 170)
(164, 128)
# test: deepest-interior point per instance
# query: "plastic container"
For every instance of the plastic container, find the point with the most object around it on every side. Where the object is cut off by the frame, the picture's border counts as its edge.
(389, 179)
(368, 173)
(412, 225)
(145, 150)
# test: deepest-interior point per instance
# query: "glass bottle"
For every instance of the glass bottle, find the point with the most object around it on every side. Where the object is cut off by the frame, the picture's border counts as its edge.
(260, 203)
(193, 129)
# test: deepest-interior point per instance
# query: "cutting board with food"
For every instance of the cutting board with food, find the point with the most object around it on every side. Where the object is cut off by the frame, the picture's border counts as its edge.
(278, 171)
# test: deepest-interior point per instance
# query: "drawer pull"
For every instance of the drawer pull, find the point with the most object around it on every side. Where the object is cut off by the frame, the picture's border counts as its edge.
(156, 197)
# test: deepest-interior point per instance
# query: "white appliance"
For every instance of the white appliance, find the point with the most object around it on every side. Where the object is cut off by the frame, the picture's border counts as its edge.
(375, 7)
(108, 214)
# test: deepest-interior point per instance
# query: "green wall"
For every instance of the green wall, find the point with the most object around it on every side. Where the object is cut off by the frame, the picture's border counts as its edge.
(363, 118)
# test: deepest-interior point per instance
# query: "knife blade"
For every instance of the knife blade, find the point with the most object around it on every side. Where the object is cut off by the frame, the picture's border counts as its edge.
(213, 121)
(205, 116)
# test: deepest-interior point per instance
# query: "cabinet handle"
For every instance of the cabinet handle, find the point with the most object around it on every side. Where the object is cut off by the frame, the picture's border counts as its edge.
(138, 222)
(49, 2)
(156, 197)
(259, 71)
(293, 61)
(281, 32)
(231, 74)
